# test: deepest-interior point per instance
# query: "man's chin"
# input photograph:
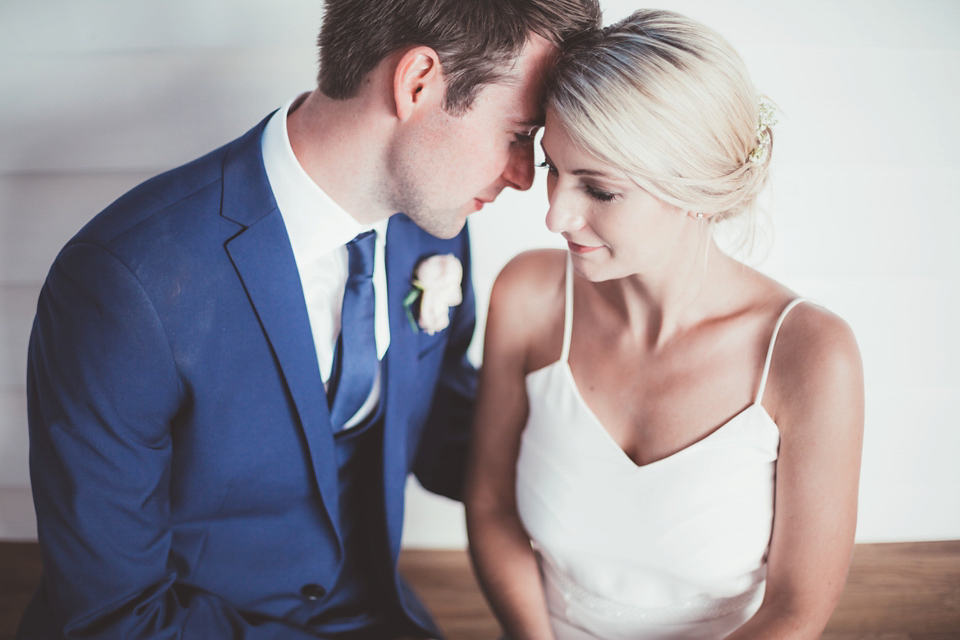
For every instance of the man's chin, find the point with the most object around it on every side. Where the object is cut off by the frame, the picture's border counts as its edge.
(445, 227)
(448, 232)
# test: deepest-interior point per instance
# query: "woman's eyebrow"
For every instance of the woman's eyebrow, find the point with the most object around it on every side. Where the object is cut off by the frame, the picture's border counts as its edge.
(590, 173)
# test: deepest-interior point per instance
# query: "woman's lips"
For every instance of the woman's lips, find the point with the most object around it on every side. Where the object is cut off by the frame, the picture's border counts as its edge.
(581, 248)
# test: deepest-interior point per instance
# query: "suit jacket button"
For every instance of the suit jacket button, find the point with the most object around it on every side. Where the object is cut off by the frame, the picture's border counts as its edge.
(312, 591)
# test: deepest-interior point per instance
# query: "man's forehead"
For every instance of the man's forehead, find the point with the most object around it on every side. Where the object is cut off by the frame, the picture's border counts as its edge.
(531, 65)
(528, 109)
(516, 102)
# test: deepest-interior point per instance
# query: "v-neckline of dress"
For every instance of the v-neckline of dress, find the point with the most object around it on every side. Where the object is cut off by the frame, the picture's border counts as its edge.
(597, 425)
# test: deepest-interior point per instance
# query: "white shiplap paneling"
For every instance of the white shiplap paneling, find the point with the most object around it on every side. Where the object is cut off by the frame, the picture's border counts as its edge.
(145, 111)
(17, 306)
(14, 470)
(17, 520)
(41, 211)
(67, 27)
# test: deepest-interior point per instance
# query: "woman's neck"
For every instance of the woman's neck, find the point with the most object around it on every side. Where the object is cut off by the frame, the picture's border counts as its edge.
(662, 305)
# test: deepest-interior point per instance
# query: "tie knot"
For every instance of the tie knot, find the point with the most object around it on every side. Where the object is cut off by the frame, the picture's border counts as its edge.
(361, 250)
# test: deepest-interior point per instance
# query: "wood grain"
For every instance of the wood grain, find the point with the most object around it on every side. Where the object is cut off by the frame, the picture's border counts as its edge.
(20, 568)
(904, 590)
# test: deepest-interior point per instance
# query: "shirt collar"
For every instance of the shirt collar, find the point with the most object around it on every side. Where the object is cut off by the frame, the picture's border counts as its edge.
(315, 223)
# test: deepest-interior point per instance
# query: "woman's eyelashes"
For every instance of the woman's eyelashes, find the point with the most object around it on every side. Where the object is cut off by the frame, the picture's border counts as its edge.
(593, 191)
(552, 170)
(599, 194)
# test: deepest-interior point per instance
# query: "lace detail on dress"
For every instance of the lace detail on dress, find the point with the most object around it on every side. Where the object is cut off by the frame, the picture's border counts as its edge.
(700, 609)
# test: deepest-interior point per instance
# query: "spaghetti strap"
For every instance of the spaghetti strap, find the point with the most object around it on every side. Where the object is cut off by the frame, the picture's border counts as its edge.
(567, 311)
(773, 341)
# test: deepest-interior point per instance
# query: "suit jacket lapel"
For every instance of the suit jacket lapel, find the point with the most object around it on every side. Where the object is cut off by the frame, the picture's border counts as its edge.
(263, 258)
(403, 249)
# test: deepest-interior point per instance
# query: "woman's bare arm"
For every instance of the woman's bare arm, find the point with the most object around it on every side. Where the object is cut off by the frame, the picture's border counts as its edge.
(816, 387)
(500, 547)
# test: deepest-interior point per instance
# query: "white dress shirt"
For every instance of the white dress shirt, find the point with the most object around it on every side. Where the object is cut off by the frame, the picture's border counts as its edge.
(319, 230)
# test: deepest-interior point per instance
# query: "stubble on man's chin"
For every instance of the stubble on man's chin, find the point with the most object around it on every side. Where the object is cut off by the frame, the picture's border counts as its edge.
(441, 223)
(407, 190)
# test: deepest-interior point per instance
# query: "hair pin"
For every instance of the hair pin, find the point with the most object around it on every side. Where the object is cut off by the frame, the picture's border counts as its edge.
(766, 120)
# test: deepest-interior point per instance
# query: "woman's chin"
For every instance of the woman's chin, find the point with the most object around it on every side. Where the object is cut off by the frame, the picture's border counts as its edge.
(591, 270)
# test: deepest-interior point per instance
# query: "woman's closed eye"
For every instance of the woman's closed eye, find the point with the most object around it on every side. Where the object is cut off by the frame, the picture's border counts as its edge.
(593, 191)
(599, 194)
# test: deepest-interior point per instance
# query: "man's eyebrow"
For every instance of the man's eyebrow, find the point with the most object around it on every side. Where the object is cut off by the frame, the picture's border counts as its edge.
(538, 121)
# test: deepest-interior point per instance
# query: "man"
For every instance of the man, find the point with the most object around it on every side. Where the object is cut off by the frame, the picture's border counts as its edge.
(228, 384)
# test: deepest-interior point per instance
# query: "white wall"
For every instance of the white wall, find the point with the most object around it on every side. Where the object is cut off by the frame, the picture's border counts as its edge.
(97, 95)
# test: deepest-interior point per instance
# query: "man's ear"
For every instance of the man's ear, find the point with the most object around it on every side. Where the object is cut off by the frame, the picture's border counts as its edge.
(417, 80)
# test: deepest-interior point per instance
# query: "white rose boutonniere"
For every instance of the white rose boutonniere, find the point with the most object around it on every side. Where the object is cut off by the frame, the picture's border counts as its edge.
(436, 283)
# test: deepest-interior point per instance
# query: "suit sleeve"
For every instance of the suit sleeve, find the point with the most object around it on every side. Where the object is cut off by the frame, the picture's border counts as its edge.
(442, 456)
(104, 392)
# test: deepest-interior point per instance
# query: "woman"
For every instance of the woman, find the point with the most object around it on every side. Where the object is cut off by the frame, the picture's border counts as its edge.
(646, 399)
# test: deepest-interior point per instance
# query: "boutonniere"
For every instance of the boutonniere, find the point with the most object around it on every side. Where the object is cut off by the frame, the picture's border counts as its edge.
(436, 284)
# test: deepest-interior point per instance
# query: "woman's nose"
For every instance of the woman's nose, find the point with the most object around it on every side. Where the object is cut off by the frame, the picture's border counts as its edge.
(562, 214)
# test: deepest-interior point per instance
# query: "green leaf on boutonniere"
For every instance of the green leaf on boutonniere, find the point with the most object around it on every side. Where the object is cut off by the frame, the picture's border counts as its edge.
(409, 301)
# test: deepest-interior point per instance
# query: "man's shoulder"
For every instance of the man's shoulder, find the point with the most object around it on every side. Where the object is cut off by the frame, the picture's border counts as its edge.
(190, 194)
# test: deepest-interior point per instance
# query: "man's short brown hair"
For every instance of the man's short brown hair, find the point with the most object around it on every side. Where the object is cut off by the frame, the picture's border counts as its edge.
(476, 40)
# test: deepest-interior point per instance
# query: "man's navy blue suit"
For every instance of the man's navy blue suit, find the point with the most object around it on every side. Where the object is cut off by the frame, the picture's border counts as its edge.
(182, 457)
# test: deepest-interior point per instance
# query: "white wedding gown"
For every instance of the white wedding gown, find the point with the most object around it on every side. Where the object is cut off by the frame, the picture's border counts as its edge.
(675, 549)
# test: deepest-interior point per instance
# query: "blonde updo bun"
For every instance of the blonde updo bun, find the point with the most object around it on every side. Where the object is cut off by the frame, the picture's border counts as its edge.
(669, 102)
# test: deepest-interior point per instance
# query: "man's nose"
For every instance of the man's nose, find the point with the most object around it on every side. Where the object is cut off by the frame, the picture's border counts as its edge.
(519, 170)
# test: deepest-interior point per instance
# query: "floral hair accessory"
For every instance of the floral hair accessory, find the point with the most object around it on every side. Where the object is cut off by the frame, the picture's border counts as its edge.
(766, 120)
(436, 283)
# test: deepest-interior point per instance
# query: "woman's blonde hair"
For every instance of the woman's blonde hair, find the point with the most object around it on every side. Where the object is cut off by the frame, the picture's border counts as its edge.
(669, 102)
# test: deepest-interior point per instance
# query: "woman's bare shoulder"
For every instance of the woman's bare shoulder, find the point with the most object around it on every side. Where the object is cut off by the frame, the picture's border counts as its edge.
(816, 363)
(527, 301)
(808, 333)
(813, 335)
(531, 280)
(537, 266)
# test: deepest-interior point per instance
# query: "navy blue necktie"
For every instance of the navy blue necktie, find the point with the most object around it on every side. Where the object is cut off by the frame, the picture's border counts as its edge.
(355, 361)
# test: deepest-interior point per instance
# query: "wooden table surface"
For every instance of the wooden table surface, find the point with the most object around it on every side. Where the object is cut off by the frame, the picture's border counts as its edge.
(903, 591)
